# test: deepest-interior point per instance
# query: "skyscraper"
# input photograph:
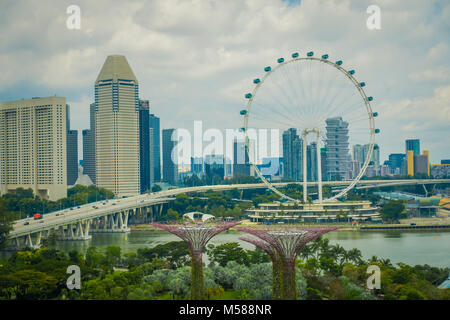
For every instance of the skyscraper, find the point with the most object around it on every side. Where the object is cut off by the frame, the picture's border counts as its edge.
(412, 149)
(395, 162)
(33, 146)
(89, 146)
(358, 154)
(155, 153)
(72, 151)
(116, 133)
(311, 160)
(292, 155)
(241, 164)
(414, 145)
(169, 154)
(323, 163)
(144, 145)
(215, 168)
(337, 148)
(197, 165)
(421, 164)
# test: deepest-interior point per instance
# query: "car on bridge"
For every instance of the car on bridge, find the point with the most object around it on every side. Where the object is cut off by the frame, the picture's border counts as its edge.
(26, 223)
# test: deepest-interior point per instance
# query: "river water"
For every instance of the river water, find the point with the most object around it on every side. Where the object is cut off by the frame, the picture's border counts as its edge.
(413, 248)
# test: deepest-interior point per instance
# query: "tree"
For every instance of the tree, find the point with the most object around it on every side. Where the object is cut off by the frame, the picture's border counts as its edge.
(31, 284)
(393, 210)
(175, 252)
(6, 219)
(226, 252)
(156, 188)
(113, 255)
(172, 214)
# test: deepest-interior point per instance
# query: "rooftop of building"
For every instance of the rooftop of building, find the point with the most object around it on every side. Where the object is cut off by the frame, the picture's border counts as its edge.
(116, 67)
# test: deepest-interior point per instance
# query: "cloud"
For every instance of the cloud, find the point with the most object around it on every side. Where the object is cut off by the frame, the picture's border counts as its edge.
(195, 59)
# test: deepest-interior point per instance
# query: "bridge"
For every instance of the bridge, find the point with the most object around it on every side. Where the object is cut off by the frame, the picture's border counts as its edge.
(110, 216)
(79, 223)
(362, 184)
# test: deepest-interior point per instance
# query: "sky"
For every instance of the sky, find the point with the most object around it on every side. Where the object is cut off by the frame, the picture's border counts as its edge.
(195, 60)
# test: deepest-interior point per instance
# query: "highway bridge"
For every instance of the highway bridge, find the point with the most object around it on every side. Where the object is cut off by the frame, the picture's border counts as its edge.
(79, 223)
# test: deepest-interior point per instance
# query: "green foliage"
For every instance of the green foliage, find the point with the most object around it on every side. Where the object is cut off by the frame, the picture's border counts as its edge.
(176, 253)
(329, 272)
(23, 203)
(156, 188)
(6, 219)
(393, 210)
(226, 252)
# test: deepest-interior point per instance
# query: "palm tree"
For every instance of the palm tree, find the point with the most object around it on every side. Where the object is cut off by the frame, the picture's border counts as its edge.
(355, 256)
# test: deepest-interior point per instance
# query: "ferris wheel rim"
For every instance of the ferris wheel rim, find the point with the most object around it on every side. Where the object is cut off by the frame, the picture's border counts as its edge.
(368, 109)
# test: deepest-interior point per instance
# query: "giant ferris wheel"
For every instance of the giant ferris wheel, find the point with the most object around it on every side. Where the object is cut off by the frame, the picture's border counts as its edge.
(312, 96)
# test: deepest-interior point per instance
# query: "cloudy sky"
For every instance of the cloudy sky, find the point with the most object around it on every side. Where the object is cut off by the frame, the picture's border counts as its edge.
(195, 59)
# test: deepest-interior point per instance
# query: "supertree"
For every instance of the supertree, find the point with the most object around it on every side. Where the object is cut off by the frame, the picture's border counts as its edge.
(282, 245)
(196, 237)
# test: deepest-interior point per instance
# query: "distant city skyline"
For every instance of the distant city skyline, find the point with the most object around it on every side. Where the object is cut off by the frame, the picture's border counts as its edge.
(195, 64)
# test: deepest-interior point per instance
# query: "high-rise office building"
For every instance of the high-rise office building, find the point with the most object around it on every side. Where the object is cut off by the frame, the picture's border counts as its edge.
(241, 165)
(358, 154)
(421, 164)
(292, 155)
(72, 151)
(155, 152)
(427, 154)
(311, 160)
(395, 162)
(337, 148)
(169, 156)
(117, 165)
(323, 163)
(215, 167)
(412, 147)
(144, 145)
(72, 157)
(89, 154)
(375, 158)
(89, 146)
(33, 146)
(197, 165)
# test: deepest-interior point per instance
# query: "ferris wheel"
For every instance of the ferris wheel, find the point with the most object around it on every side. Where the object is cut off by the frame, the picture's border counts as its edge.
(307, 95)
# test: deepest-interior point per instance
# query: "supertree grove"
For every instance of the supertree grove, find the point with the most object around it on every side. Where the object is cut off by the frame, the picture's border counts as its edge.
(282, 245)
(196, 236)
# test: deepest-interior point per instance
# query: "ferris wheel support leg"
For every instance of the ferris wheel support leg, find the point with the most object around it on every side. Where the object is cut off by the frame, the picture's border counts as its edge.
(319, 169)
(305, 176)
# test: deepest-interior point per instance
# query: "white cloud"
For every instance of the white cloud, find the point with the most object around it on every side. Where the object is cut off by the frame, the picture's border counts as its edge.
(195, 59)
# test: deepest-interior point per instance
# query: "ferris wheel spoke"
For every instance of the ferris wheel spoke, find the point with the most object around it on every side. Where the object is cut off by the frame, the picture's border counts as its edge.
(294, 90)
(264, 119)
(351, 109)
(283, 105)
(336, 105)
